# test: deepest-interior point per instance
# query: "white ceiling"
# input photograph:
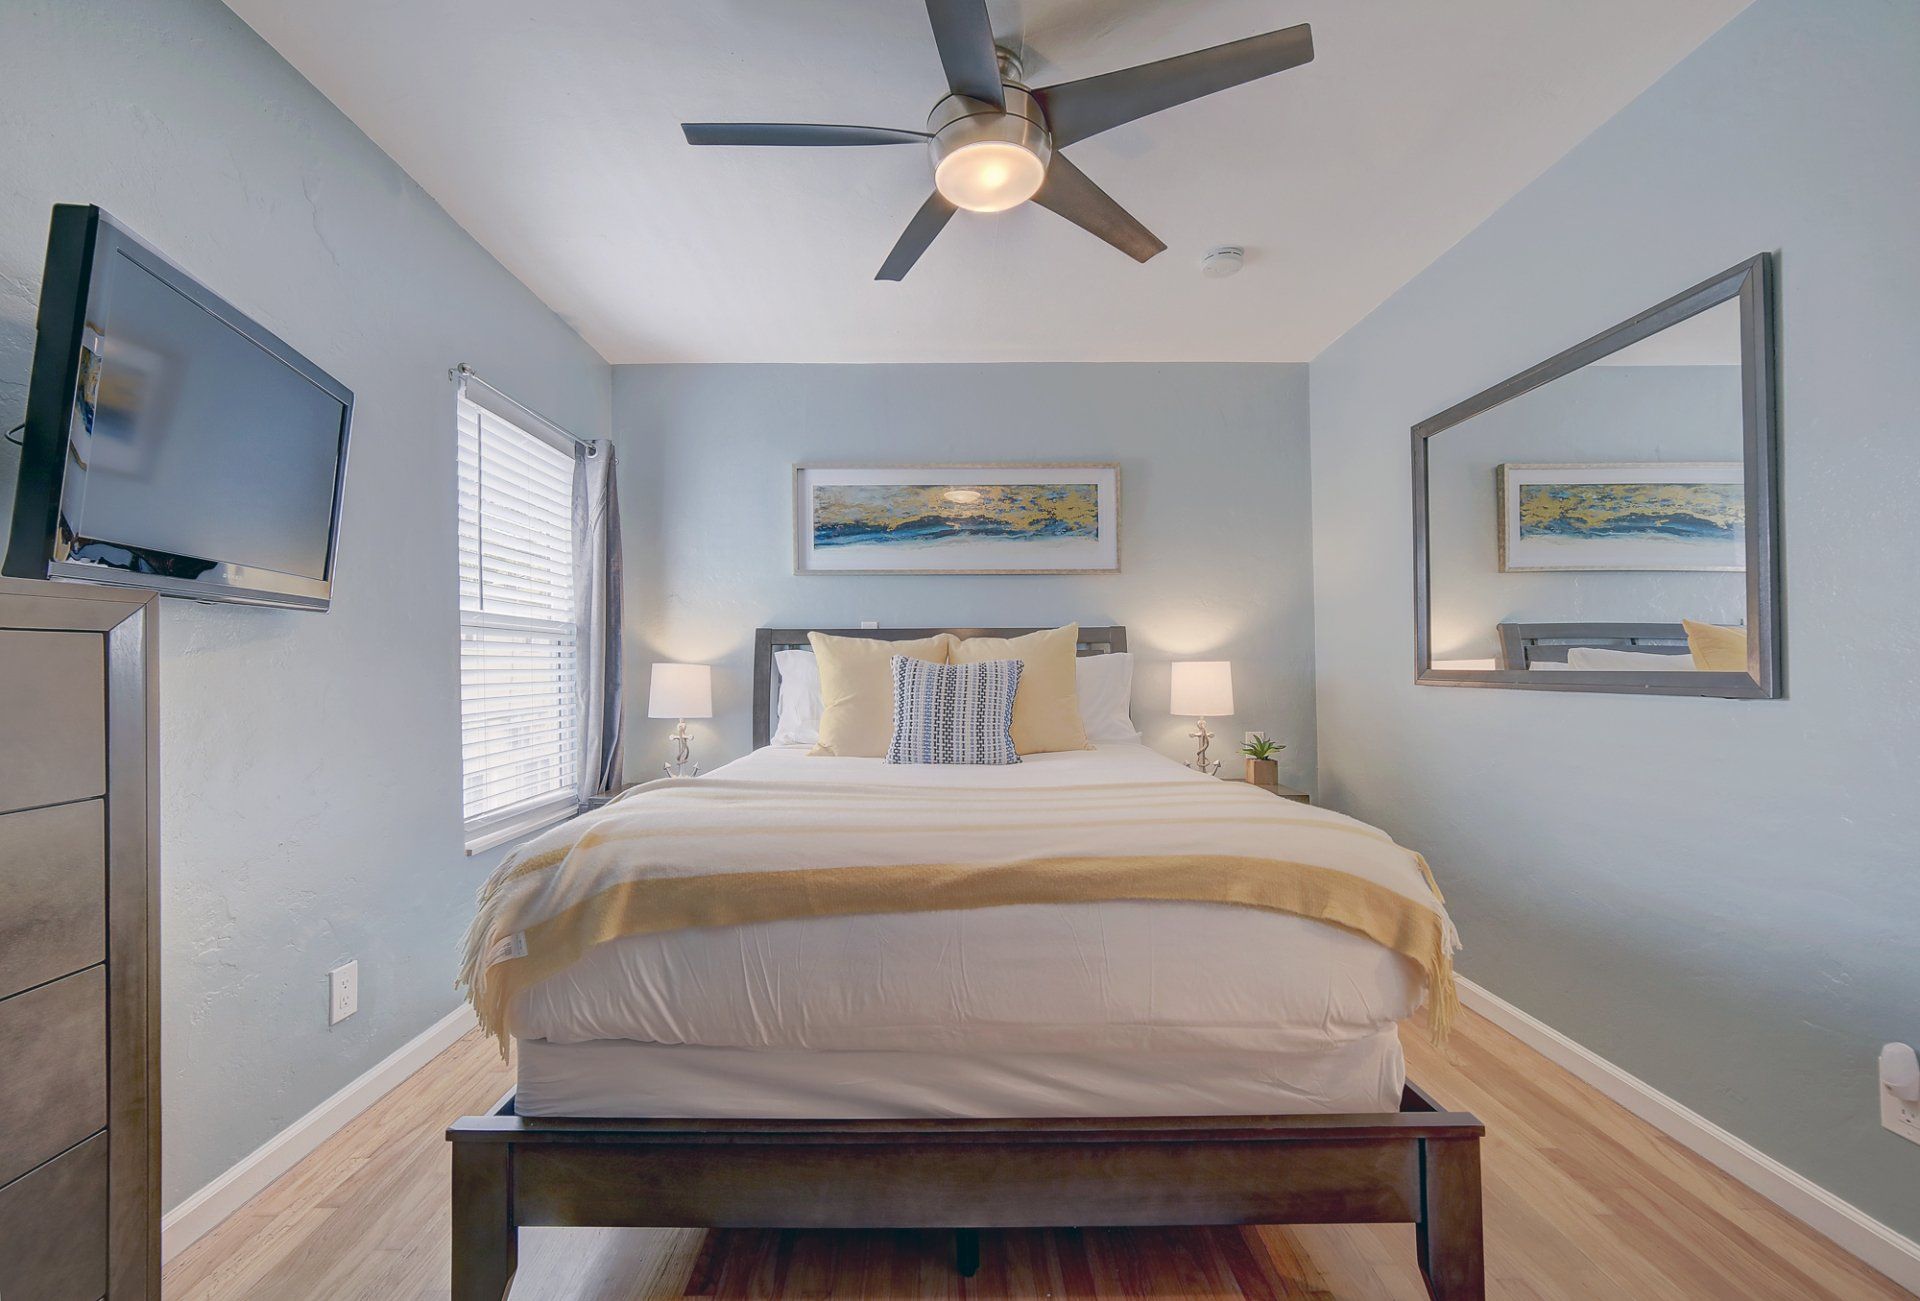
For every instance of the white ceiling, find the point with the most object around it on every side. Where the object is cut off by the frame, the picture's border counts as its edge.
(550, 131)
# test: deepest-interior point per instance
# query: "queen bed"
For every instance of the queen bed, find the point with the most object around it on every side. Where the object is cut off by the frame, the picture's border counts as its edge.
(1103, 1038)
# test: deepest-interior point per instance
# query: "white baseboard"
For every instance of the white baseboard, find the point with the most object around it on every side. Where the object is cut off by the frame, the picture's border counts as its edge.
(1849, 1227)
(186, 1223)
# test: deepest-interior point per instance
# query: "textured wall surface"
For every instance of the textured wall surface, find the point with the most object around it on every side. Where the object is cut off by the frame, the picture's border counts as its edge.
(1601, 413)
(309, 763)
(1214, 531)
(1718, 895)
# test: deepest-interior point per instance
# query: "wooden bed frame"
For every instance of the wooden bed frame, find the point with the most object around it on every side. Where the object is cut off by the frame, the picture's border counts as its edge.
(1419, 1165)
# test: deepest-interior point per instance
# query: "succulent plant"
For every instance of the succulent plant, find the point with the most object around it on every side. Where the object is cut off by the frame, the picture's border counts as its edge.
(1261, 747)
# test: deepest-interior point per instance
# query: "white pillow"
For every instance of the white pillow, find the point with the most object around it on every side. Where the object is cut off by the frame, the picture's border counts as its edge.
(1105, 684)
(799, 716)
(1600, 659)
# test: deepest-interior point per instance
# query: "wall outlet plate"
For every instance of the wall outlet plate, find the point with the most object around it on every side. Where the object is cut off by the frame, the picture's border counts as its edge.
(343, 992)
(1903, 1118)
(1896, 1113)
(869, 623)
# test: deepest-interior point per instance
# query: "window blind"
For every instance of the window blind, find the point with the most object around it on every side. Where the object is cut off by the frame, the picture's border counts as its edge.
(520, 623)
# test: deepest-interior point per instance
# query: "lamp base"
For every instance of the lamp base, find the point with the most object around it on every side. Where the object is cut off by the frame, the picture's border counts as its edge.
(682, 764)
(1202, 739)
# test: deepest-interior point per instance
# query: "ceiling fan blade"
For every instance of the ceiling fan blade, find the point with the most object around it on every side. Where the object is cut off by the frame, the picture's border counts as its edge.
(795, 133)
(928, 222)
(1078, 109)
(964, 35)
(1069, 192)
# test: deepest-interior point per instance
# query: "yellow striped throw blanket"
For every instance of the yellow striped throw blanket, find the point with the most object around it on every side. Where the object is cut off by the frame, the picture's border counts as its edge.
(678, 854)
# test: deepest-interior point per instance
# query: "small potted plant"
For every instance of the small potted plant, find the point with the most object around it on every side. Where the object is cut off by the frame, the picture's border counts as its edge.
(1262, 768)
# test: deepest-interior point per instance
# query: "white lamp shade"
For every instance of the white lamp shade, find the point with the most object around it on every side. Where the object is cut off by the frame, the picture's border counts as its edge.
(1203, 688)
(681, 691)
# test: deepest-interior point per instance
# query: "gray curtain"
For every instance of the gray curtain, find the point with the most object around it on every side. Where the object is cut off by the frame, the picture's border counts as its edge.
(600, 774)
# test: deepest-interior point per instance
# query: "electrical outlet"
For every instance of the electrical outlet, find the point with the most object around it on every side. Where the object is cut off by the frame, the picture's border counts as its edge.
(1255, 736)
(869, 623)
(343, 992)
(1900, 1091)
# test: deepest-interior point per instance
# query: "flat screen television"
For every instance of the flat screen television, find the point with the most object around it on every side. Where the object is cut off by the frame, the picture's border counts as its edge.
(171, 441)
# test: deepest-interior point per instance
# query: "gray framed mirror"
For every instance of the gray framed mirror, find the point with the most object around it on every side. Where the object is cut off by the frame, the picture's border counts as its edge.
(1608, 520)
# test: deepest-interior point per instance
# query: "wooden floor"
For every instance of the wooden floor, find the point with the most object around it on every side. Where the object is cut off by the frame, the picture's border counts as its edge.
(1582, 1201)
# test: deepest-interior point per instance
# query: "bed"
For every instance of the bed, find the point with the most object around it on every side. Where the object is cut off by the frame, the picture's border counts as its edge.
(1030, 1064)
(1529, 645)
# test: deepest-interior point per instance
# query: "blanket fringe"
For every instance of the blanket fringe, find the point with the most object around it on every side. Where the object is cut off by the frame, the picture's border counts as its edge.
(486, 996)
(1443, 999)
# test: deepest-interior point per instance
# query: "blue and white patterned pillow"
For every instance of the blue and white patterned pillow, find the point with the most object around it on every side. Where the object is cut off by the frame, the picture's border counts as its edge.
(953, 713)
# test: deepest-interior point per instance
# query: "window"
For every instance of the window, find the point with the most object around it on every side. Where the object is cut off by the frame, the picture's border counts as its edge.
(521, 702)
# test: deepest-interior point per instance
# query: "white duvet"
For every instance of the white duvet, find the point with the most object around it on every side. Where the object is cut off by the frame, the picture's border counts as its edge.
(1054, 978)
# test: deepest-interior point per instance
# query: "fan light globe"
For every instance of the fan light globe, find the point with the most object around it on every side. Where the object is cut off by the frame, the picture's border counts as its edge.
(989, 176)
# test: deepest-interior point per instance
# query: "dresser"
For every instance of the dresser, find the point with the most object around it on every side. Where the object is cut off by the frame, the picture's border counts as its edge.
(79, 930)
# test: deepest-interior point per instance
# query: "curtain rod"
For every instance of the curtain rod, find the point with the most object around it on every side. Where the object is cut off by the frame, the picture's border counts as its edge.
(466, 372)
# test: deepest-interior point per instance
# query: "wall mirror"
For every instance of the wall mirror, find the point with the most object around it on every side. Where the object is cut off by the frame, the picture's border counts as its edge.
(1608, 519)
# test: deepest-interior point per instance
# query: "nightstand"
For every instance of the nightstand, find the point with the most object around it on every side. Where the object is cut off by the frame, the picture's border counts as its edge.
(1284, 792)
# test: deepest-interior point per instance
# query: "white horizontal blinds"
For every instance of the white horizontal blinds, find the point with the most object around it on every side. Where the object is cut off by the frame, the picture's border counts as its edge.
(520, 688)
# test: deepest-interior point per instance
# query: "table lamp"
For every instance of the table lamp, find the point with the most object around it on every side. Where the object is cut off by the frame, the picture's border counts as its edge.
(681, 691)
(1203, 689)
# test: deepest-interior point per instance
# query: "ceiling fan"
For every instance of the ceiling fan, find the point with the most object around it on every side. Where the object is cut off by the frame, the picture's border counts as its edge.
(995, 143)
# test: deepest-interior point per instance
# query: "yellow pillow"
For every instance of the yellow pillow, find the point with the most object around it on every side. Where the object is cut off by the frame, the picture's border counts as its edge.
(1716, 649)
(1046, 709)
(856, 689)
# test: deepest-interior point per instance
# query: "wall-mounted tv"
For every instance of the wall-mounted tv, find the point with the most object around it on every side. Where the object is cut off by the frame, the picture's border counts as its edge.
(171, 442)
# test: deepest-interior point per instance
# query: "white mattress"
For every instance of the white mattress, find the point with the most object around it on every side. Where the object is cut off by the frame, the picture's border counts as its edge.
(1005, 989)
(614, 1077)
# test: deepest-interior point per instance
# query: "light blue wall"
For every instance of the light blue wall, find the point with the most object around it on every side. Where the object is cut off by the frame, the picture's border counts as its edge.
(309, 763)
(1721, 896)
(1214, 523)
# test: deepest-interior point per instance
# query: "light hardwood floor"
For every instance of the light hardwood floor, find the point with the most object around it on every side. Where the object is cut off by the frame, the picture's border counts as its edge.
(1583, 1201)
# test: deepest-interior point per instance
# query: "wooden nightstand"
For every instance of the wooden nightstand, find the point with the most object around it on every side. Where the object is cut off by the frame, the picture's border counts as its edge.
(1284, 792)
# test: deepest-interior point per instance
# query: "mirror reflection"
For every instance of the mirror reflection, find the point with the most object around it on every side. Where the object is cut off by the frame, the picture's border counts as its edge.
(1598, 523)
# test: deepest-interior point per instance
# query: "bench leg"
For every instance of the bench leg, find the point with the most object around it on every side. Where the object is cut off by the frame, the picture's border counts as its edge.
(486, 1241)
(966, 1252)
(1452, 1256)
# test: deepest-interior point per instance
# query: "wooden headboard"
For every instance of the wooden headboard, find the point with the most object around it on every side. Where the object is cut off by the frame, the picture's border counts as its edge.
(1522, 645)
(766, 641)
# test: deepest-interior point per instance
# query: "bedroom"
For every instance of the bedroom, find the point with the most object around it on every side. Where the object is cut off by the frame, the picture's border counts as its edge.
(1683, 889)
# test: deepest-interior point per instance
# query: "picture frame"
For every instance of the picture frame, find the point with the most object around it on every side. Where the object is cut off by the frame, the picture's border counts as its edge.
(1646, 516)
(992, 517)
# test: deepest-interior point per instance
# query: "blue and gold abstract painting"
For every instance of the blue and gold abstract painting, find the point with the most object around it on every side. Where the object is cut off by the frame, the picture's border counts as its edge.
(947, 514)
(1645, 515)
(1676, 512)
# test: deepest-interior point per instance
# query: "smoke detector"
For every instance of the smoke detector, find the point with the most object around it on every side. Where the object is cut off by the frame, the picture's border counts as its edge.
(1219, 263)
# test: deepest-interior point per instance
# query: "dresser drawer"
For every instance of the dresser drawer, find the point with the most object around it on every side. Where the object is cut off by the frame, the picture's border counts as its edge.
(53, 1071)
(53, 1229)
(53, 717)
(53, 893)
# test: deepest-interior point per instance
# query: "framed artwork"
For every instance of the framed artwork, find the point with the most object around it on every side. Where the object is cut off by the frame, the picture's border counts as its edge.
(1643, 515)
(1001, 518)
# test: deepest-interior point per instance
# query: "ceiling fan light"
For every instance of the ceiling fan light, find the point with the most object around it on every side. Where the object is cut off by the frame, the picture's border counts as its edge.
(989, 175)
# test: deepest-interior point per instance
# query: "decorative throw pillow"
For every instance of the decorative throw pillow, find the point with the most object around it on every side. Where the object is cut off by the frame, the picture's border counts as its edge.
(1046, 717)
(954, 713)
(856, 689)
(1716, 649)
